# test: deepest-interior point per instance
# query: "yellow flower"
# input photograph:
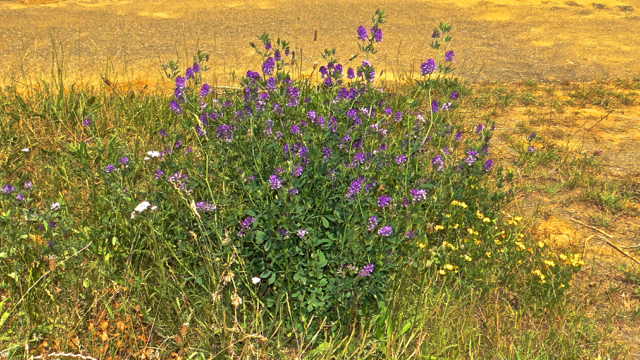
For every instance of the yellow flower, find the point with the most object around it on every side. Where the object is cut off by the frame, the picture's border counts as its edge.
(475, 232)
(468, 258)
(422, 245)
(455, 226)
(518, 218)
(488, 253)
(476, 241)
(438, 227)
(470, 230)
(520, 245)
(454, 202)
(479, 214)
(498, 242)
(448, 267)
(442, 272)
(486, 220)
(563, 257)
(540, 244)
(539, 274)
(561, 285)
(549, 263)
(447, 215)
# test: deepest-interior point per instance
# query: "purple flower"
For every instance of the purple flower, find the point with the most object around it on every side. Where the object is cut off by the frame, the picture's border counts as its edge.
(434, 106)
(410, 234)
(326, 153)
(328, 82)
(28, 184)
(205, 206)
(175, 107)
(531, 149)
(225, 132)
(445, 106)
(159, 174)
(7, 189)
(188, 150)
(397, 117)
(385, 231)
(277, 56)
(448, 56)
(294, 129)
(251, 75)
(366, 270)
(488, 165)
(436, 34)
(204, 90)
(293, 191)
(188, 73)
(323, 71)
(246, 223)
(274, 182)
(479, 128)
(110, 168)
(198, 130)
(454, 95)
(457, 136)
(177, 144)
(180, 82)
(400, 159)
(359, 158)
(446, 151)
(267, 46)
(162, 133)
(373, 222)
(123, 161)
(418, 195)
(267, 67)
(355, 187)
(428, 67)
(52, 224)
(470, 160)
(350, 73)
(337, 70)
(438, 162)
(297, 171)
(86, 122)
(19, 197)
(302, 233)
(385, 200)
(271, 84)
(196, 68)
(376, 33)
(362, 33)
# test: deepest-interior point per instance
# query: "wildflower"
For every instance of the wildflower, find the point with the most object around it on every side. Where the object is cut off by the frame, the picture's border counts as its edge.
(488, 165)
(376, 33)
(267, 67)
(436, 34)
(297, 171)
(438, 162)
(267, 46)
(277, 56)
(123, 161)
(204, 90)
(428, 67)
(385, 231)
(255, 280)
(366, 270)
(326, 153)
(362, 33)
(180, 82)
(52, 224)
(175, 107)
(196, 68)
(110, 169)
(7, 189)
(350, 73)
(531, 149)
(438, 227)
(479, 128)
(359, 158)
(397, 116)
(302, 233)
(355, 187)
(597, 152)
(540, 244)
(236, 300)
(384, 200)
(410, 234)
(468, 258)
(434, 106)
(373, 222)
(19, 197)
(225, 132)
(422, 245)
(25, 150)
(457, 136)
(55, 206)
(448, 56)
(274, 182)
(86, 122)
(549, 263)
(28, 184)
(486, 220)
(442, 272)
(445, 106)
(293, 191)
(454, 95)
(294, 129)
(205, 206)
(400, 159)
(418, 195)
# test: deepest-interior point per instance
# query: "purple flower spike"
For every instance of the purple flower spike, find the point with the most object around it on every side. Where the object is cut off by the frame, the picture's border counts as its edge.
(448, 56)
(438, 162)
(350, 73)
(454, 95)
(175, 107)
(385, 231)
(362, 33)
(267, 67)
(488, 165)
(196, 68)
(86, 122)
(428, 67)
(373, 222)
(274, 182)
(376, 33)
(204, 90)
(479, 128)
(366, 270)
(27, 185)
(457, 136)
(7, 189)
(531, 149)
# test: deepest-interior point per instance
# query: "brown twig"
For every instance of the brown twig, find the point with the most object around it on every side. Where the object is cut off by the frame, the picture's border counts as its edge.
(619, 250)
(590, 227)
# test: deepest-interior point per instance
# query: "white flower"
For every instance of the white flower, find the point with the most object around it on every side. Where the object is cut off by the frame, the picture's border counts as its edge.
(153, 153)
(142, 206)
(133, 214)
(55, 206)
(147, 158)
(25, 150)
(153, 207)
(255, 280)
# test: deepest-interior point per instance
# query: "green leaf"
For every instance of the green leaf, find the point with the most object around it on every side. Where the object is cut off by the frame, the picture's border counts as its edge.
(322, 259)
(272, 278)
(250, 213)
(325, 222)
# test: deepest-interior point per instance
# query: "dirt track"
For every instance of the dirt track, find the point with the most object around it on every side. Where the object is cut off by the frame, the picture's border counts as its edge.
(503, 40)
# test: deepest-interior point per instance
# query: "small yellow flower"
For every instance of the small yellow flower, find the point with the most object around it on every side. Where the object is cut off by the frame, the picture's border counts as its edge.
(479, 214)
(518, 218)
(486, 220)
(468, 258)
(498, 242)
(549, 263)
(539, 274)
(476, 241)
(520, 245)
(438, 227)
(447, 215)
(488, 253)
(442, 272)
(561, 285)
(563, 257)
(470, 230)
(422, 245)
(455, 226)
(448, 267)
(540, 244)
(475, 232)
(454, 202)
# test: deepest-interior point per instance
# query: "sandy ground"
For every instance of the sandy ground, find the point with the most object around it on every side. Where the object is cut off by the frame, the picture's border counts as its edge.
(501, 40)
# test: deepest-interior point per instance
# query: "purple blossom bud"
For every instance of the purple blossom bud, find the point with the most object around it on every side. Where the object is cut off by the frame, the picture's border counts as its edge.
(454, 95)
(385, 231)
(479, 128)
(274, 182)
(362, 33)
(204, 90)
(488, 165)
(350, 73)
(448, 56)
(110, 169)
(385, 200)
(366, 270)
(373, 222)
(175, 107)
(27, 185)
(86, 122)
(428, 67)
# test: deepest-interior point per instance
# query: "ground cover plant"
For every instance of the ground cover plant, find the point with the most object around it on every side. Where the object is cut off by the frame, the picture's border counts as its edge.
(288, 218)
